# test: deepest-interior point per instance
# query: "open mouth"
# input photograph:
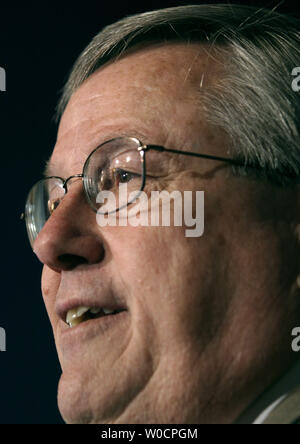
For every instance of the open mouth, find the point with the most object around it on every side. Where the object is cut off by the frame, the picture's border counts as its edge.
(77, 315)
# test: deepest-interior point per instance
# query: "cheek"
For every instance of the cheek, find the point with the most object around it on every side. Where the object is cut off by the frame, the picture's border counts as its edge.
(157, 267)
(141, 259)
(143, 254)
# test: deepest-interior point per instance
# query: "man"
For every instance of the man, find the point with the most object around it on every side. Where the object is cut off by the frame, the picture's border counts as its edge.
(151, 325)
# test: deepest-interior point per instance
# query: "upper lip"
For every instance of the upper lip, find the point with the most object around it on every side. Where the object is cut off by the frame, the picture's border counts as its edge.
(104, 301)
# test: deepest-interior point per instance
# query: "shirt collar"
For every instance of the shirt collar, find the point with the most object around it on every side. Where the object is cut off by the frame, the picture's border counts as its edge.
(260, 409)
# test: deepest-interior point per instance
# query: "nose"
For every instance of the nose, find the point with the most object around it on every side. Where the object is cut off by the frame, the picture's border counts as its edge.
(70, 237)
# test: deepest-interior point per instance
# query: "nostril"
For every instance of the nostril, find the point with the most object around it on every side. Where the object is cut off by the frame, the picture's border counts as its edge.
(60, 249)
(69, 261)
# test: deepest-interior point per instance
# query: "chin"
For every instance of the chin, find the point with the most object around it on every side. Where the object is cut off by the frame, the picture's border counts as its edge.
(86, 397)
(73, 400)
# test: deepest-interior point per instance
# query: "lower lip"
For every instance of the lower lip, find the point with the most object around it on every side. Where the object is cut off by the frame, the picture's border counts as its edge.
(91, 328)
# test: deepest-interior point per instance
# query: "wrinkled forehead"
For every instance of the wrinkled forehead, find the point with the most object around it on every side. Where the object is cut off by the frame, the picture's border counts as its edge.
(150, 76)
(151, 90)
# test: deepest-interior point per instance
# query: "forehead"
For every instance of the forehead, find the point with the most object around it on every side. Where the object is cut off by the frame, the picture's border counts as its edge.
(150, 93)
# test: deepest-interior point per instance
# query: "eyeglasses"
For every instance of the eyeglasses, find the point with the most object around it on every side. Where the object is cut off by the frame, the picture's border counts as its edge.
(113, 164)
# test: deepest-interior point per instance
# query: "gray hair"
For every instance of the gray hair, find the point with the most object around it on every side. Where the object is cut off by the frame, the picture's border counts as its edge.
(254, 102)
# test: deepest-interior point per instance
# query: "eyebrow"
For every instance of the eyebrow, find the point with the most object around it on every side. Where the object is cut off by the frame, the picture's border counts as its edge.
(49, 167)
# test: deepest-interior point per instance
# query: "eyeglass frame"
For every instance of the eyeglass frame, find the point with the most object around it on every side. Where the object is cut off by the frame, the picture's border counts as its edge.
(142, 149)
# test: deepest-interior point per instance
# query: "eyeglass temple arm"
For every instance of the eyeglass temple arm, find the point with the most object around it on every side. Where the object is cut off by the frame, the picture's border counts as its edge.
(291, 174)
(205, 156)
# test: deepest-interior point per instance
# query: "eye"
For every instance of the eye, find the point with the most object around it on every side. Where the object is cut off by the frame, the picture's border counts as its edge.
(123, 176)
(52, 205)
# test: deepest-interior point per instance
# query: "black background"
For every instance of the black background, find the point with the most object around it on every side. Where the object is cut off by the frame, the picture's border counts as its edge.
(39, 44)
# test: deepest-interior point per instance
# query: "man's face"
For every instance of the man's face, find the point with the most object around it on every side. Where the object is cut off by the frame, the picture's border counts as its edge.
(201, 314)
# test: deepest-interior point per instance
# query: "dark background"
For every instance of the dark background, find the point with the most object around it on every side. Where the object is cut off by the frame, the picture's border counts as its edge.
(38, 45)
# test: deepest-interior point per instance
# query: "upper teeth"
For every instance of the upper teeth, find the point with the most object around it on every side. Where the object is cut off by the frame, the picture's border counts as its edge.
(76, 315)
